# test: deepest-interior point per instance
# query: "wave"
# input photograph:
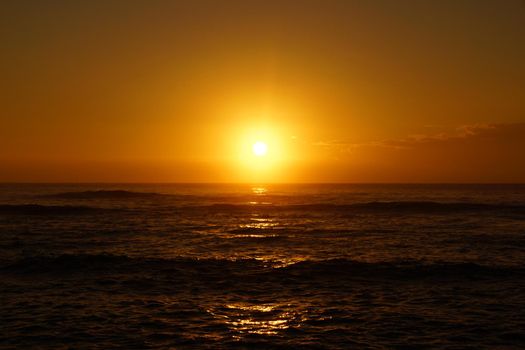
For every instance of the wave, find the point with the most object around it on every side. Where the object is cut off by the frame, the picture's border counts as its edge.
(105, 194)
(355, 208)
(36, 209)
(405, 269)
(397, 206)
(429, 206)
(119, 263)
(223, 203)
(334, 269)
(126, 194)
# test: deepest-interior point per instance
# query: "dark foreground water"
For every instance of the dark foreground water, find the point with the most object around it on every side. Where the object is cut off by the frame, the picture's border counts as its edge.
(231, 266)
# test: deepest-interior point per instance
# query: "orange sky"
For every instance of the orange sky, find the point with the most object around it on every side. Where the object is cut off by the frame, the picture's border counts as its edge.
(342, 91)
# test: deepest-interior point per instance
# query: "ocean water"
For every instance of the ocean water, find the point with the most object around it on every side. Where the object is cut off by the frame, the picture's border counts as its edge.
(270, 266)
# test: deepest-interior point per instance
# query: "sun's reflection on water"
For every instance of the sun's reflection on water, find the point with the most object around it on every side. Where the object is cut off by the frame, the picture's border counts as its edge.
(259, 223)
(259, 203)
(264, 319)
(255, 227)
(259, 190)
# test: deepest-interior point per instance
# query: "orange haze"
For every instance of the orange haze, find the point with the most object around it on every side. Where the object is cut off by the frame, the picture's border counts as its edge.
(342, 91)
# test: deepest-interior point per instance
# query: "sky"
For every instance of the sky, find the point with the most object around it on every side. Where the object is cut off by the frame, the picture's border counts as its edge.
(339, 91)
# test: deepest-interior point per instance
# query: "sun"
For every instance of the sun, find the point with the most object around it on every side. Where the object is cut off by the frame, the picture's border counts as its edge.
(260, 148)
(262, 154)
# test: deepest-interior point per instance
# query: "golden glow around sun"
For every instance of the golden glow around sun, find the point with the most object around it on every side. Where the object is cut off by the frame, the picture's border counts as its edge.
(260, 148)
(261, 152)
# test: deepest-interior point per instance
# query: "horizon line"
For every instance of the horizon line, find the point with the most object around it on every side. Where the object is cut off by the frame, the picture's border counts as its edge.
(248, 183)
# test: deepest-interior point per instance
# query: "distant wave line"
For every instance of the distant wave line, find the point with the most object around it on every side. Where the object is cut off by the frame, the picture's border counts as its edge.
(221, 268)
(378, 206)
(37, 209)
(416, 207)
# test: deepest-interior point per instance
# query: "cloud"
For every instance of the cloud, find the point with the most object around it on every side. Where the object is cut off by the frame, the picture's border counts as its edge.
(414, 140)
(469, 153)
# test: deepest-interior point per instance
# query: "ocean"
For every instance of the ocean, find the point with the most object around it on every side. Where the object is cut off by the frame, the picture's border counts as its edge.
(207, 266)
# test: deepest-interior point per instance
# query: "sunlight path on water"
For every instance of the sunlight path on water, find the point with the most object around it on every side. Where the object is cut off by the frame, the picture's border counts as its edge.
(263, 319)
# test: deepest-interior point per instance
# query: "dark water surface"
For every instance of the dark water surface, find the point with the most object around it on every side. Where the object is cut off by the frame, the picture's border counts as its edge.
(280, 266)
